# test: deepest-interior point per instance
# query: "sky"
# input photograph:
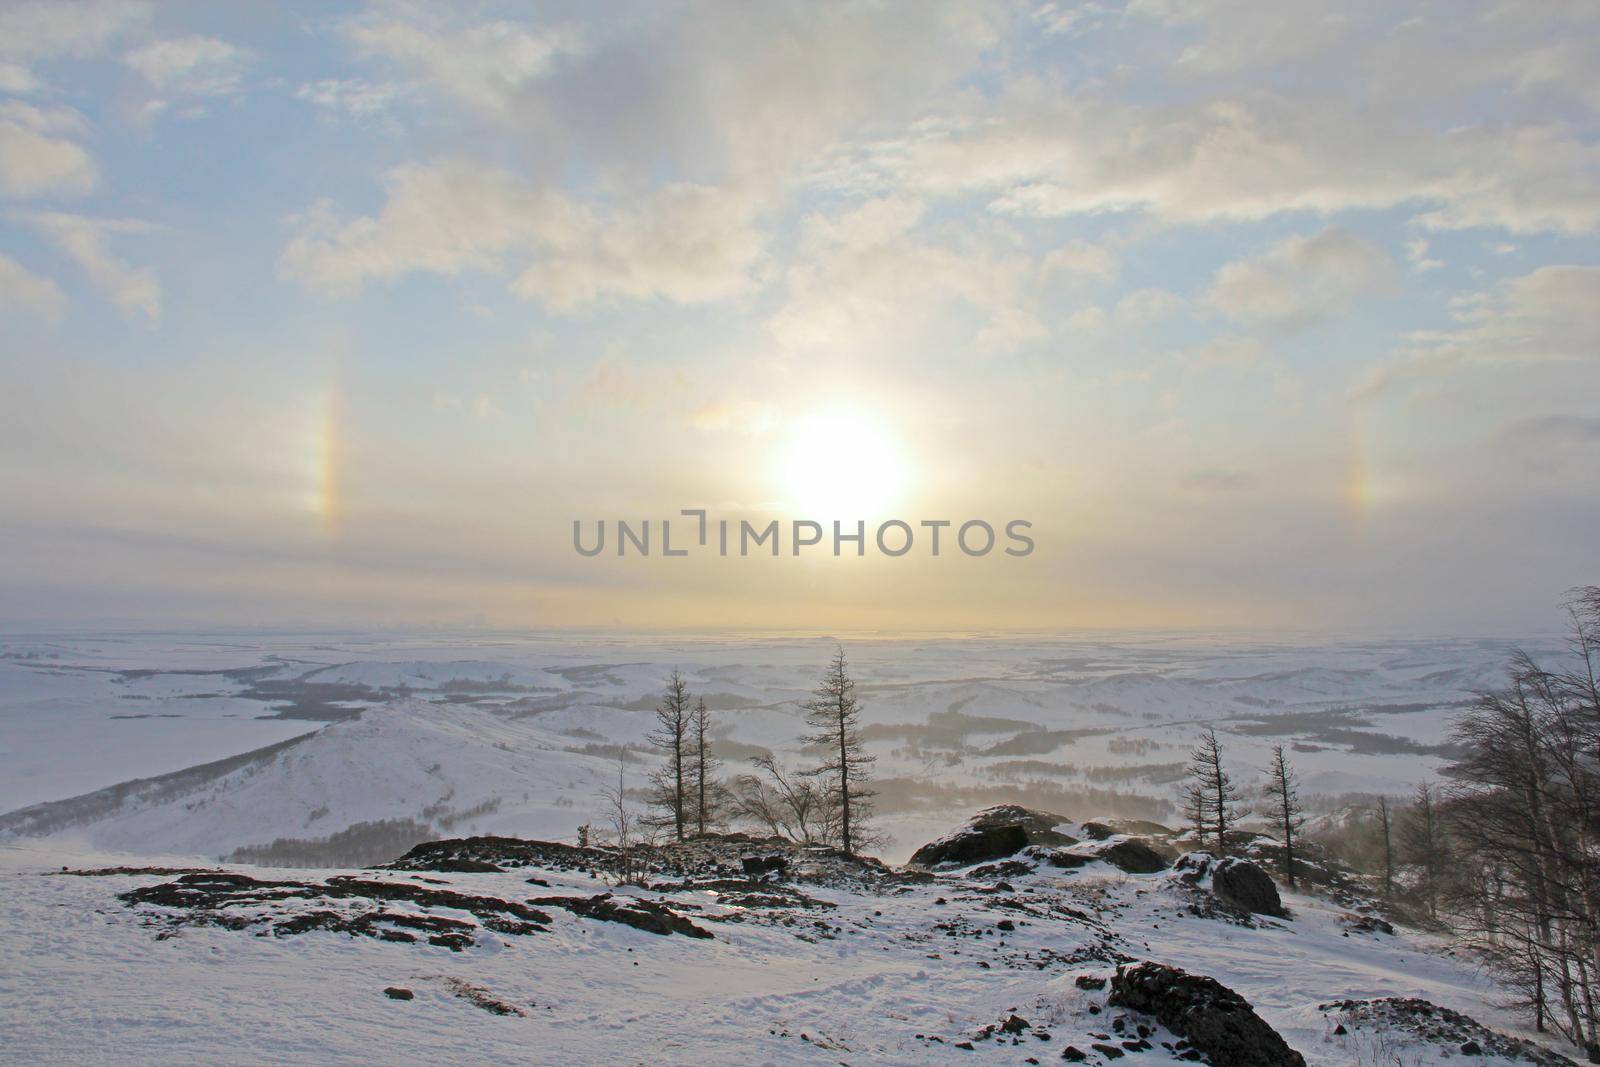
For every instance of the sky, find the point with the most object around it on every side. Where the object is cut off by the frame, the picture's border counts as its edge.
(1264, 313)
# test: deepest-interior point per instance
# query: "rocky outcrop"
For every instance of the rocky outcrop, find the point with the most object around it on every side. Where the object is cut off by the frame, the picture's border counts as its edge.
(1128, 854)
(1244, 885)
(1235, 882)
(646, 915)
(1134, 856)
(993, 834)
(1215, 1020)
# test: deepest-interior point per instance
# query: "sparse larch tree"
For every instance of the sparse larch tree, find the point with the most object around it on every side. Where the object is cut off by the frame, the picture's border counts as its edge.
(672, 738)
(1210, 793)
(835, 714)
(707, 793)
(1386, 841)
(1283, 788)
(1422, 839)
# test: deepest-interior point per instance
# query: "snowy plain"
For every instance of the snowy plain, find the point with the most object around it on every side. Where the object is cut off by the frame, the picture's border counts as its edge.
(181, 749)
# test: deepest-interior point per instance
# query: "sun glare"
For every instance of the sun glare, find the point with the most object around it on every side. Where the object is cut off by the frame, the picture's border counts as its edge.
(842, 465)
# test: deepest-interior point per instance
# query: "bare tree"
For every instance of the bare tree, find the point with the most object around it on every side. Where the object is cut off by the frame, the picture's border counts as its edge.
(1422, 840)
(708, 797)
(835, 714)
(1386, 840)
(670, 793)
(1210, 793)
(792, 806)
(1282, 786)
(624, 826)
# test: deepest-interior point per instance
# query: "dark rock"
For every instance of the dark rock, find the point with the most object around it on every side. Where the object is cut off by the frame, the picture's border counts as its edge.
(993, 834)
(1367, 924)
(1074, 1054)
(754, 866)
(1193, 866)
(646, 915)
(464, 865)
(1014, 1024)
(1134, 856)
(1089, 981)
(1243, 884)
(1110, 1052)
(394, 992)
(1213, 1018)
(1471, 1048)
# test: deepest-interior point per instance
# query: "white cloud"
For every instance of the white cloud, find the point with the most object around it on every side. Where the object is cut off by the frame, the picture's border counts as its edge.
(21, 290)
(483, 64)
(1082, 257)
(1301, 281)
(50, 29)
(43, 30)
(683, 243)
(1417, 253)
(37, 156)
(871, 281)
(199, 66)
(1549, 315)
(86, 242)
(359, 99)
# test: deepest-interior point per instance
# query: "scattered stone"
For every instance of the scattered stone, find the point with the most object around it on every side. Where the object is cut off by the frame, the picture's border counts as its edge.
(1447, 1030)
(1089, 981)
(394, 992)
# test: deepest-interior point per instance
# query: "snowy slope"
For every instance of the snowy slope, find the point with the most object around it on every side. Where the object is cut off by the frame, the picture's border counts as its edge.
(897, 972)
(434, 764)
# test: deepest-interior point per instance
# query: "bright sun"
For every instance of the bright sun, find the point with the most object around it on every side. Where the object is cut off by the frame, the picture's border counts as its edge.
(842, 465)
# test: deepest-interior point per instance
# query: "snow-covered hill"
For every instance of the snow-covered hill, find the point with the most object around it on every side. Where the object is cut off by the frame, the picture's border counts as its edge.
(442, 767)
(503, 951)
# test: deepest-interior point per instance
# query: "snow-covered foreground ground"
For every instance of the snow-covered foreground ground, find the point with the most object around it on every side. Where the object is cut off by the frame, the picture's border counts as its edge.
(830, 971)
(239, 741)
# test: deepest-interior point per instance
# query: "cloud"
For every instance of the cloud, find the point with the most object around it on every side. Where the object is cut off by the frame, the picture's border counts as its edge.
(1551, 315)
(1301, 281)
(874, 279)
(1040, 154)
(51, 29)
(1417, 253)
(359, 99)
(1082, 257)
(86, 242)
(21, 290)
(194, 65)
(482, 64)
(37, 156)
(683, 243)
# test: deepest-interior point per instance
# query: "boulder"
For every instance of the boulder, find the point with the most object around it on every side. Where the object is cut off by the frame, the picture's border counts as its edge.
(1211, 1017)
(755, 866)
(993, 834)
(1192, 867)
(1134, 856)
(1243, 884)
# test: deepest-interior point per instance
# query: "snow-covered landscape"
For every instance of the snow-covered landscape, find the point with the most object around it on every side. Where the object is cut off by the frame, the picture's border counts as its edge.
(298, 761)
(204, 746)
